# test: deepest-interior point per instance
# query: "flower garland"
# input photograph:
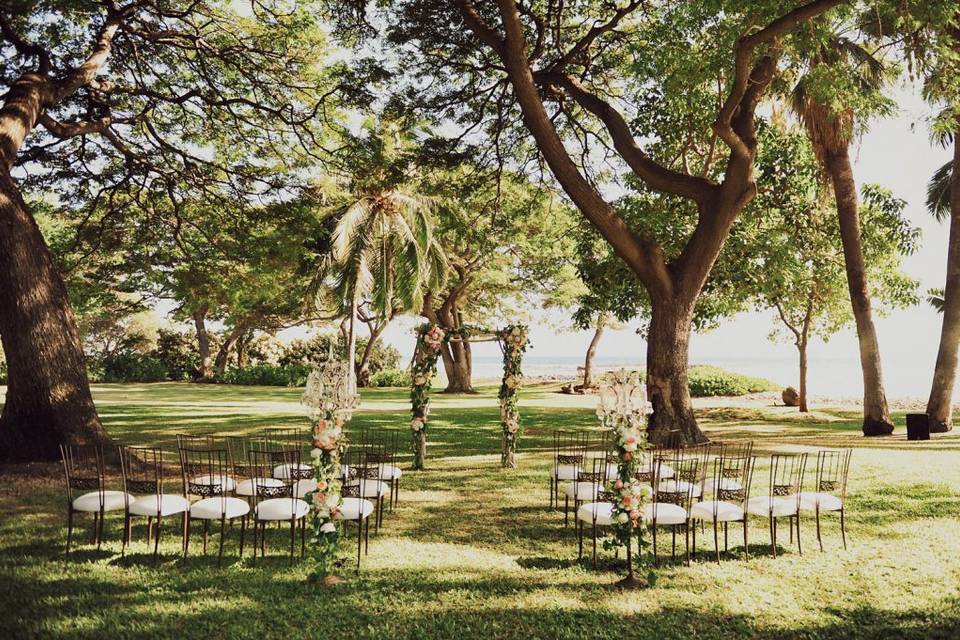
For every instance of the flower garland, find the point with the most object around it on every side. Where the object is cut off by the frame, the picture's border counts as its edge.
(330, 403)
(513, 342)
(430, 338)
(622, 409)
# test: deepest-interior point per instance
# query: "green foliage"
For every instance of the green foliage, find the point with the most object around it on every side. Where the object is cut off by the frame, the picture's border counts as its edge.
(290, 375)
(707, 381)
(391, 378)
(130, 366)
(178, 353)
(384, 356)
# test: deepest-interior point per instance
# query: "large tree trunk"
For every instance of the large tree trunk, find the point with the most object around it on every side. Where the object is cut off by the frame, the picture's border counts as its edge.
(223, 354)
(352, 340)
(939, 406)
(668, 341)
(458, 365)
(802, 349)
(592, 350)
(48, 399)
(876, 415)
(363, 365)
(203, 342)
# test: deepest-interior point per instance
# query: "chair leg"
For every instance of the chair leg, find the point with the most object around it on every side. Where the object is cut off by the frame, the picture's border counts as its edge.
(746, 547)
(799, 542)
(686, 538)
(223, 523)
(186, 534)
(69, 529)
(579, 540)
(716, 538)
(149, 530)
(366, 536)
(206, 535)
(243, 534)
(103, 516)
(380, 515)
(566, 509)
(551, 493)
(303, 537)
(819, 539)
(693, 549)
(360, 539)
(125, 538)
(843, 528)
(156, 541)
(726, 543)
(773, 535)
(654, 529)
(673, 549)
(263, 539)
(293, 536)
(93, 534)
(594, 545)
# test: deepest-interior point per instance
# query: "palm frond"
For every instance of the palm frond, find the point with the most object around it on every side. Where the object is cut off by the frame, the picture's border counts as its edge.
(938, 192)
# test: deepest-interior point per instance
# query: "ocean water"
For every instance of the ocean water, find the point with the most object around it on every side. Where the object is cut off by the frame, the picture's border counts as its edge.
(827, 377)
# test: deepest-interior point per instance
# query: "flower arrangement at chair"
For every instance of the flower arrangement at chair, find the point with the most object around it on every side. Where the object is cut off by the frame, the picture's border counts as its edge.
(430, 338)
(513, 343)
(330, 399)
(623, 410)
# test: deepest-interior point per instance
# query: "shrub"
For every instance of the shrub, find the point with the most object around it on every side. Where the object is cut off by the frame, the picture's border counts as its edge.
(133, 367)
(290, 375)
(391, 378)
(179, 354)
(314, 351)
(706, 381)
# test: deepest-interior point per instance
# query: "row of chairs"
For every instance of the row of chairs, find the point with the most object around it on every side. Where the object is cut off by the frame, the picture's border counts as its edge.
(264, 478)
(684, 495)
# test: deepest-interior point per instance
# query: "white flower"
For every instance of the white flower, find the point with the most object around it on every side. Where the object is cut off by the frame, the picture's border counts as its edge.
(622, 518)
(315, 453)
(328, 527)
(416, 424)
(332, 500)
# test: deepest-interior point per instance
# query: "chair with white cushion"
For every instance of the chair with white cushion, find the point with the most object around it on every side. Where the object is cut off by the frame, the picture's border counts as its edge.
(729, 478)
(84, 470)
(728, 504)
(205, 475)
(142, 472)
(691, 477)
(354, 508)
(569, 449)
(782, 499)
(273, 503)
(598, 512)
(584, 487)
(830, 490)
(366, 471)
(671, 502)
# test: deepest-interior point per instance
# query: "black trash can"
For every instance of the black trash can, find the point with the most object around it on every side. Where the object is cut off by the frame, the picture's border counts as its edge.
(917, 426)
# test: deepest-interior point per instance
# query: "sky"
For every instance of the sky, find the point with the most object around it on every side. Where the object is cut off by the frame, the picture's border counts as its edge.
(896, 153)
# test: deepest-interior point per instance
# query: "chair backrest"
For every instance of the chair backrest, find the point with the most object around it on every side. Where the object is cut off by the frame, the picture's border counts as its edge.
(732, 478)
(700, 453)
(678, 490)
(206, 472)
(786, 475)
(833, 470)
(648, 467)
(370, 461)
(142, 470)
(238, 449)
(597, 476)
(195, 441)
(283, 436)
(83, 468)
(262, 463)
(569, 448)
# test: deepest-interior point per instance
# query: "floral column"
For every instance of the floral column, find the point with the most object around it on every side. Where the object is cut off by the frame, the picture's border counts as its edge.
(622, 409)
(430, 338)
(513, 342)
(330, 399)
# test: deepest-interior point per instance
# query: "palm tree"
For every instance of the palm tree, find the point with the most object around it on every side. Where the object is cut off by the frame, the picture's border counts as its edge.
(382, 248)
(843, 73)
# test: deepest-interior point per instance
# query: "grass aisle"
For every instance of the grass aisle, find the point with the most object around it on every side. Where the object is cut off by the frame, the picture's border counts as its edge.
(473, 552)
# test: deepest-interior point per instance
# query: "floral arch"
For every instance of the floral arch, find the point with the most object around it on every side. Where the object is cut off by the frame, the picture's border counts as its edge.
(513, 343)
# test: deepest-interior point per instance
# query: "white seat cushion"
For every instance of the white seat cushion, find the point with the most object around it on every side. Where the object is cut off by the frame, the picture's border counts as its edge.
(219, 506)
(302, 487)
(281, 509)
(567, 472)
(601, 511)
(827, 501)
(228, 483)
(162, 505)
(770, 505)
(724, 511)
(580, 490)
(354, 509)
(680, 486)
(112, 500)
(666, 471)
(282, 471)
(664, 513)
(246, 487)
(390, 472)
(370, 488)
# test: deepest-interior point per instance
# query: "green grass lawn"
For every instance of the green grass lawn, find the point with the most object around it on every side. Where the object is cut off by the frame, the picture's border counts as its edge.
(473, 551)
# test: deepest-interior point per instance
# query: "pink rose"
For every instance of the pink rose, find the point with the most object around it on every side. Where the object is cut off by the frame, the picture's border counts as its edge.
(628, 456)
(634, 514)
(618, 484)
